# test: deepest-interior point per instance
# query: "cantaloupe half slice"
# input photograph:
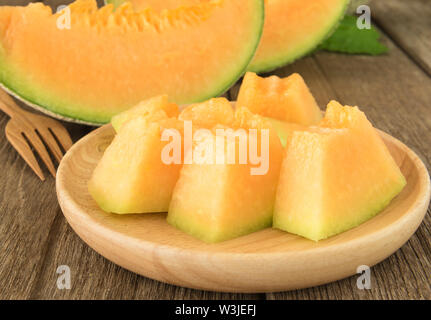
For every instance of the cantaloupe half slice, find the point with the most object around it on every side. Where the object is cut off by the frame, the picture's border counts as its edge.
(287, 99)
(222, 200)
(334, 176)
(292, 28)
(108, 61)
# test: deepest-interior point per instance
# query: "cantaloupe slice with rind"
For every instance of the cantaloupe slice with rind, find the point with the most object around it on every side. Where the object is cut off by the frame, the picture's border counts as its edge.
(221, 201)
(334, 176)
(108, 61)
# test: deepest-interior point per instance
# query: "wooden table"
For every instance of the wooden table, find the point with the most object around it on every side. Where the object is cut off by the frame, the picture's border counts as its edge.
(395, 92)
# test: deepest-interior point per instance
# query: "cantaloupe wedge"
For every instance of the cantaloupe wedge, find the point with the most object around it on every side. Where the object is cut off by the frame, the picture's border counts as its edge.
(334, 176)
(221, 200)
(105, 61)
(287, 99)
(131, 176)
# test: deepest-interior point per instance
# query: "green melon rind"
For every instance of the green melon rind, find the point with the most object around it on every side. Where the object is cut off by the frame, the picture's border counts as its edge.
(368, 212)
(204, 233)
(273, 63)
(38, 106)
(47, 102)
(41, 99)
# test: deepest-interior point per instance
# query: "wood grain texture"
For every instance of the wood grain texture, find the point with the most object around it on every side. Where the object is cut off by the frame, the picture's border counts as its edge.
(264, 261)
(408, 23)
(392, 89)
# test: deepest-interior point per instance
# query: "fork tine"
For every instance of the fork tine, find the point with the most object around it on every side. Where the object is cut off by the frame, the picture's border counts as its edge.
(40, 149)
(62, 136)
(16, 139)
(51, 143)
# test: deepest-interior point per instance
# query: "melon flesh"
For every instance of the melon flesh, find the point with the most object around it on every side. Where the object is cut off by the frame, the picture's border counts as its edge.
(221, 201)
(155, 108)
(334, 176)
(108, 61)
(131, 177)
(158, 5)
(209, 113)
(292, 28)
(287, 99)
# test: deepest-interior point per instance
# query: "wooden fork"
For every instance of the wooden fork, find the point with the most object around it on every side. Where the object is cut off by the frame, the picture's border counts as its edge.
(25, 130)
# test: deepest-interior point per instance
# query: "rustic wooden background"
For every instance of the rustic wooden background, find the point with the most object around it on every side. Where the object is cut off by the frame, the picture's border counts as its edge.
(395, 92)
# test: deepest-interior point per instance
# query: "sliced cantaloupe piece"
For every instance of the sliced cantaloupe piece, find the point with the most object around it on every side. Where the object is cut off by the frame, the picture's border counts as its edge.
(223, 200)
(131, 176)
(209, 113)
(293, 28)
(108, 61)
(335, 176)
(287, 99)
(156, 108)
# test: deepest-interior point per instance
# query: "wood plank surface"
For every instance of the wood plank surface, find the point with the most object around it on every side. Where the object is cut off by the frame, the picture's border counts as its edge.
(408, 23)
(394, 91)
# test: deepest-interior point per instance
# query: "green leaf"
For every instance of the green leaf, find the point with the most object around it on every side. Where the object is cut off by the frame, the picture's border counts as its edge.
(348, 38)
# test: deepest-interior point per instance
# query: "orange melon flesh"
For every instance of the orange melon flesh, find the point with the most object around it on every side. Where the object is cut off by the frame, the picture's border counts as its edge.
(209, 113)
(156, 108)
(221, 201)
(108, 61)
(131, 177)
(293, 28)
(334, 176)
(287, 99)
(158, 5)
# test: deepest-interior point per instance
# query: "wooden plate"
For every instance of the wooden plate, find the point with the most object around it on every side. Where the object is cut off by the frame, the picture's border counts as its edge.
(265, 261)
